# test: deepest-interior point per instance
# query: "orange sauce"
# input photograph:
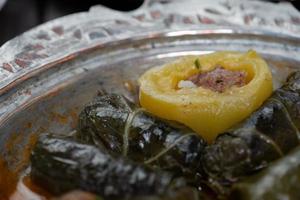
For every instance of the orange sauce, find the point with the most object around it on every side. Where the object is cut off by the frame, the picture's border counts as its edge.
(12, 187)
(26, 189)
(8, 181)
(74, 118)
(59, 118)
(20, 156)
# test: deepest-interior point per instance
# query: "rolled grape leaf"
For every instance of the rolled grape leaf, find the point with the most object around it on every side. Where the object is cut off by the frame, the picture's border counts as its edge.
(112, 122)
(266, 135)
(63, 165)
(289, 96)
(279, 181)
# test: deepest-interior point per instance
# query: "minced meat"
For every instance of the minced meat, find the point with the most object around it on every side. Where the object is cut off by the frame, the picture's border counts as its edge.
(219, 79)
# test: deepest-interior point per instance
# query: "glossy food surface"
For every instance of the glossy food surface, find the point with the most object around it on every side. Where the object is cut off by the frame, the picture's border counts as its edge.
(50, 97)
(205, 111)
(267, 134)
(124, 129)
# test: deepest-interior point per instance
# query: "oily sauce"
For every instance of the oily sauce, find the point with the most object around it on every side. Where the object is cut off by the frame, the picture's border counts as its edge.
(13, 188)
(14, 185)
(8, 181)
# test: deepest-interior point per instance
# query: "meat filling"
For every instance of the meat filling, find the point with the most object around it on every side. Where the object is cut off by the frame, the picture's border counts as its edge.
(219, 79)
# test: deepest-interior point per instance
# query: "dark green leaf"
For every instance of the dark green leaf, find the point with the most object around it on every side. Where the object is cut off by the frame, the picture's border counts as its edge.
(147, 140)
(63, 165)
(266, 135)
(197, 64)
(279, 181)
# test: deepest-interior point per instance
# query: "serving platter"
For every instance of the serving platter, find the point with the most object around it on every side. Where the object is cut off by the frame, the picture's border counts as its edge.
(50, 72)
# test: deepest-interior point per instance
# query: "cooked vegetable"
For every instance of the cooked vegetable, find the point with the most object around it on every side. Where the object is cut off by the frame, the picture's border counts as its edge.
(63, 165)
(123, 129)
(268, 134)
(206, 111)
(279, 181)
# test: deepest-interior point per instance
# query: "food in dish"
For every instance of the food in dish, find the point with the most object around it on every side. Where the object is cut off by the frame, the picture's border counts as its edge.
(208, 93)
(121, 150)
(122, 128)
(281, 179)
(62, 165)
(267, 134)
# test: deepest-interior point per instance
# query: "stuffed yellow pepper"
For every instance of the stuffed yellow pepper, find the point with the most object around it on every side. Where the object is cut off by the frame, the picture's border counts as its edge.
(208, 93)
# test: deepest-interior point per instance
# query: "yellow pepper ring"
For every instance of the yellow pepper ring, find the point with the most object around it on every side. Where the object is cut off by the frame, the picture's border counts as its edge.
(203, 110)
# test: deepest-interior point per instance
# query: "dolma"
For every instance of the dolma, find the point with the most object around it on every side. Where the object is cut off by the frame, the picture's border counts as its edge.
(122, 128)
(279, 181)
(63, 165)
(266, 135)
